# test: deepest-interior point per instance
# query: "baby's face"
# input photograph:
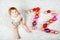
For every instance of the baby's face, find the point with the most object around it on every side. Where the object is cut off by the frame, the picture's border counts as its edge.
(14, 13)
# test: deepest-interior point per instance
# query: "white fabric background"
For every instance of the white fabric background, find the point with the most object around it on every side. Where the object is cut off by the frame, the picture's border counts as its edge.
(6, 32)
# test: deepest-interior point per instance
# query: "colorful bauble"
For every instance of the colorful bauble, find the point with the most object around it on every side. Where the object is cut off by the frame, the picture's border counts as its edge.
(48, 11)
(34, 23)
(36, 16)
(42, 29)
(45, 25)
(36, 9)
(34, 27)
(47, 30)
(37, 12)
(50, 21)
(54, 32)
(54, 18)
(34, 19)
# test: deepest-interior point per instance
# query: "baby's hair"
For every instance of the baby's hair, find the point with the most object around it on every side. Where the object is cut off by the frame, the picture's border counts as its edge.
(12, 8)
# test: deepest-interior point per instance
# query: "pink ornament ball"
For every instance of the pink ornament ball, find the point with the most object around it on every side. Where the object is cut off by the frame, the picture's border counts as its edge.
(34, 19)
(54, 18)
(36, 16)
(33, 27)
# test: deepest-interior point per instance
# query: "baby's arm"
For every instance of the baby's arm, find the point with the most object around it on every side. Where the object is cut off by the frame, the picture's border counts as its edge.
(24, 26)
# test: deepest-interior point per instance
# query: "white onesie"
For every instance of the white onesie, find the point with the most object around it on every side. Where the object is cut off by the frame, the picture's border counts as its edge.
(16, 20)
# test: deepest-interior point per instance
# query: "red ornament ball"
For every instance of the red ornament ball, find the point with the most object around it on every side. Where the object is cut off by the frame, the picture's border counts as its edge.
(36, 9)
(45, 25)
(48, 11)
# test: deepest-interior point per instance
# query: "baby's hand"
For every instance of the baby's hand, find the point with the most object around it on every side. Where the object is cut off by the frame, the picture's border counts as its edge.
(29, 31)
(29, 11)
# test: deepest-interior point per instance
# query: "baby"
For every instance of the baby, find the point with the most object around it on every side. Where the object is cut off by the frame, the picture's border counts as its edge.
(17, 19)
